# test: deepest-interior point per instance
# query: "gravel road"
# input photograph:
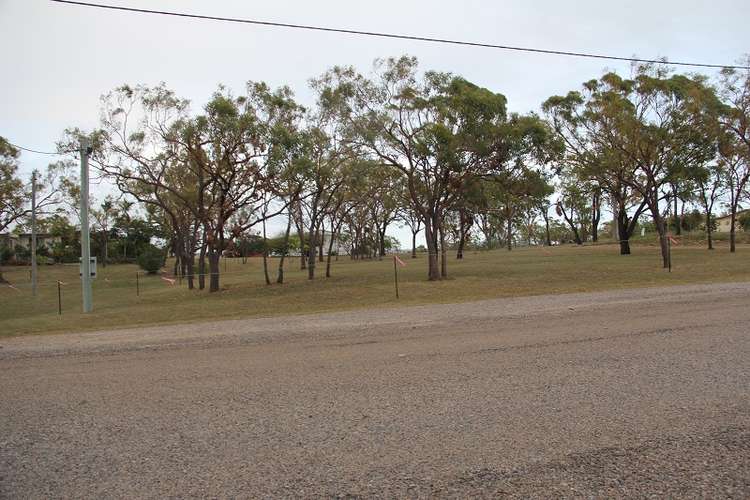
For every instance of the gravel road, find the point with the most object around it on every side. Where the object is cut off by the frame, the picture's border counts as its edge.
(637, 393)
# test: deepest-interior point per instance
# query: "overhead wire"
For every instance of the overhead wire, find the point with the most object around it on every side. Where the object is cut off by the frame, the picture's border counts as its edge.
(38, 152)
(418, 38)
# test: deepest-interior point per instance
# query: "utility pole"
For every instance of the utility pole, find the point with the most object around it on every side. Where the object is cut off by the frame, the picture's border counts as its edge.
(33, 233)
(85, 242)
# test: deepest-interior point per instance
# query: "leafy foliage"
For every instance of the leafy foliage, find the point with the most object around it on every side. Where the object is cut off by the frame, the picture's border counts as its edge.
(151, 259)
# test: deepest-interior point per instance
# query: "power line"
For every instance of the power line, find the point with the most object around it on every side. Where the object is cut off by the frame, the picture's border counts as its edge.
(38, 152)
(397, 36)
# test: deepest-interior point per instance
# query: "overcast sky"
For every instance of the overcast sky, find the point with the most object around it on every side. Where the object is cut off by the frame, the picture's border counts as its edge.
(58, 59)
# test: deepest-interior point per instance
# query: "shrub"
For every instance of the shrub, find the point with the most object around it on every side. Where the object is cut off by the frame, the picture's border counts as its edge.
(23, 254)
(744, 222)
(151, 259)
(6, 254)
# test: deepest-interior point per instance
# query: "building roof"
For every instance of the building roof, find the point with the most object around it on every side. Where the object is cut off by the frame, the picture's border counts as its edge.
(739, 212)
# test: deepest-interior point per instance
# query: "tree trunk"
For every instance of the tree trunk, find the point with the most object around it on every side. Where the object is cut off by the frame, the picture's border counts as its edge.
(663, 243)
(622, 231)
(321, 243)
(461, 235)
(661, 226)
(334, 232)
(191, 270)
(284, 250)
(176, 267)
(202, 266)
(460, 249)
(105, 252)
(665, 256)
(312, 250)
(708, 230)
(677, 219)
(311, 256)
(183, 264)
(509, 233)
(413, 245)
(576, 234)
(381, 235)
(546, 229)
(214, 254)
(433, 271)
(596, 214)
(265, 252)
(624, 247)
(732, 224)
(302, 253)
(443, 253)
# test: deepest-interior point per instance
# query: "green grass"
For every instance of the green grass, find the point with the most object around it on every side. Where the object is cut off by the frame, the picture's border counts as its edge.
(355, 284)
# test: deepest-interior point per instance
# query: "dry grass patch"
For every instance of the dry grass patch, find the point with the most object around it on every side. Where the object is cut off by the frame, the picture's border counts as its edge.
(355, 284)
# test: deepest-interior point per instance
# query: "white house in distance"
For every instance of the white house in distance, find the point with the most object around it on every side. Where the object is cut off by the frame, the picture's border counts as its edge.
(338, 247)
(23, 240)
(723, 223)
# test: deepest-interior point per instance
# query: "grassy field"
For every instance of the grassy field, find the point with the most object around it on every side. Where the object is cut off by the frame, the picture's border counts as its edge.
(355, 284)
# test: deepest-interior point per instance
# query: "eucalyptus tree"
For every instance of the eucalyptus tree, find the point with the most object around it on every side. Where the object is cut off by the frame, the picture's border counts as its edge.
(734, 89)
(14, 195)
(518, 155)
(585, 121)
(510, 194)
(543, 208)
(290, 184)
(324, 177)
(681, 188)
(649, 123)
(435, 129)
(357, 224)
(736, 167)
(463, 215)
(103, 219)
(200, 170)
(123, 223)
(138, 146)
(465, 222)
(364, 179)
(239, 140)
(410, 219)
(667, 136)
(537, 202)
(383, 200)
(710, 181)
(15, 192)
(489, 218)
(734, 141)
(572, 206)
(596, 210)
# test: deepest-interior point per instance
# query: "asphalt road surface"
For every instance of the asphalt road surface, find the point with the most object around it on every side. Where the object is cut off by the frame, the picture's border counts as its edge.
(618, 394)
